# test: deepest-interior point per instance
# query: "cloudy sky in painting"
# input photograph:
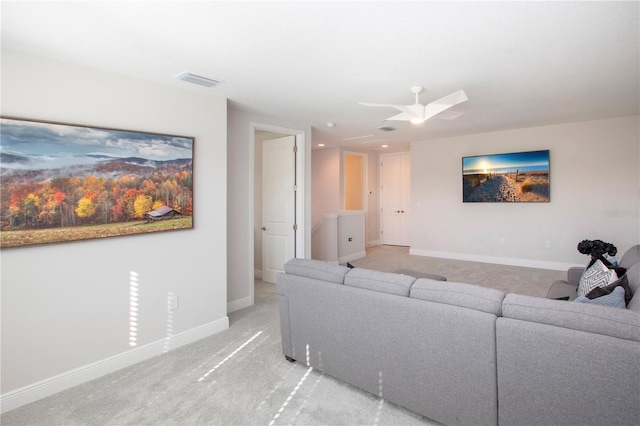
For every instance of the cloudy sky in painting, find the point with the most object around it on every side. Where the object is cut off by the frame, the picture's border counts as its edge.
(35, 145)
(524, 161)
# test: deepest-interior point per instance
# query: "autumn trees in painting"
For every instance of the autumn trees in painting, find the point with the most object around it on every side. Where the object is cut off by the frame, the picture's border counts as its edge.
(55, 176)
(91, 200)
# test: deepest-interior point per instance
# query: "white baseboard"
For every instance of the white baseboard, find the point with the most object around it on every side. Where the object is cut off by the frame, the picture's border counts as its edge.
(33, 392)
(236, 305)
(257, 273)
(527, 263)
(373, 243)
(354, 256)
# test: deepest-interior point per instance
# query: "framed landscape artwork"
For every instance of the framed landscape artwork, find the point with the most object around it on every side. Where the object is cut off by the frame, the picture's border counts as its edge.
(62, 182)
(506, 178)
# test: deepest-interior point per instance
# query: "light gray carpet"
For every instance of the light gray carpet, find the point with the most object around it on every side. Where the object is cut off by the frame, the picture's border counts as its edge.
(240, 377)
(509, 279)
(236, 377)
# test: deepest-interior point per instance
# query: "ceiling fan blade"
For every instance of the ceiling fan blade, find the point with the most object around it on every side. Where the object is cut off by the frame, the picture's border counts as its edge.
(376, 105)
(409, 112)
(403, 116)
(398, 107)
(449, 115)
(444, 103)
(419, 113)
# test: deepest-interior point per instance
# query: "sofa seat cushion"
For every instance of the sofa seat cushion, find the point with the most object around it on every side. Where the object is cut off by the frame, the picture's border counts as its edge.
(316, 269)
(385, 282)
(620, 323)
(470, 296)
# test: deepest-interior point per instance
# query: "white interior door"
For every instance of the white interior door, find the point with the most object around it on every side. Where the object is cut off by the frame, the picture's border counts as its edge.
(278, 205)
(395, 199)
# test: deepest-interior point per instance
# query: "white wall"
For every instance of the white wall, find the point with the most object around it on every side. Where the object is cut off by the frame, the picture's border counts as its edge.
(351, 225)
(372, 217)
(595, 176)
(324, 239)
(240, 202)
(65, 307)
(325, 183)
(328, 187)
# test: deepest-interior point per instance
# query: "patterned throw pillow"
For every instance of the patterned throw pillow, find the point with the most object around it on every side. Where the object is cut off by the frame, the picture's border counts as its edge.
(614, 299)
(598, 275)
(608, 289)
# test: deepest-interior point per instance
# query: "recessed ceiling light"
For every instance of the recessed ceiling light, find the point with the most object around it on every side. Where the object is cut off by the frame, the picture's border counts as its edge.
(320, 144)
(197, 79)
(385, 146)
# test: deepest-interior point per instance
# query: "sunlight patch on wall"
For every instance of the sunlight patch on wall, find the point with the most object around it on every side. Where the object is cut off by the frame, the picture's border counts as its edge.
(167, 340)
(133, 308)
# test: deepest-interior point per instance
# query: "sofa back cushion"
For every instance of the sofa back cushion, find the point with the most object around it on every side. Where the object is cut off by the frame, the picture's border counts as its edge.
(385, 282)
(630, 257)
(316, 269)
(620, 323)
(470, 296)
(633, 277)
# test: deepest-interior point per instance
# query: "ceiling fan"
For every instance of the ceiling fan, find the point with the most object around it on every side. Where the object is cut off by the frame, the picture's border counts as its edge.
(418, 113)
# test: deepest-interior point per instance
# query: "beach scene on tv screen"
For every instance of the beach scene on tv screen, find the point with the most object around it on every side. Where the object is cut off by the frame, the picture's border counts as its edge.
(513, 177)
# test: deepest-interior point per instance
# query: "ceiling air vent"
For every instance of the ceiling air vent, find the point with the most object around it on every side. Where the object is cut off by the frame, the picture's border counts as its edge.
(197, 79)
(386, 128)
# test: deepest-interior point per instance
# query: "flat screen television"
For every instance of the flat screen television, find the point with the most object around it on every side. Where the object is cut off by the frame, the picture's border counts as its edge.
(506, 178)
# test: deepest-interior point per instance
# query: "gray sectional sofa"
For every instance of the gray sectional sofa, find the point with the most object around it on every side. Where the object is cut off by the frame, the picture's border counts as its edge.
(463, 354)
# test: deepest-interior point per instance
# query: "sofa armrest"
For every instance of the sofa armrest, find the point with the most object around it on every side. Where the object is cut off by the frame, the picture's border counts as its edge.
(560, 290)
(574, 274)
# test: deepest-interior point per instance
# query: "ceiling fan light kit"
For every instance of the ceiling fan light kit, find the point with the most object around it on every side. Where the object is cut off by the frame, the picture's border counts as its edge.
(419, 113)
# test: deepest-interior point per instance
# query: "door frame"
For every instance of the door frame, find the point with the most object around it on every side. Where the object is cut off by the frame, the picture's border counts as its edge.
(303, 201)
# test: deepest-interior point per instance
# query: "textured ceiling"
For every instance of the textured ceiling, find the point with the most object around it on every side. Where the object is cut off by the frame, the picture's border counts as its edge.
(521, 63)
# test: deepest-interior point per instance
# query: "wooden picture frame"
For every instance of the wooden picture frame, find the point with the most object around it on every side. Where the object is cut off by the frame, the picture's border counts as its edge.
(64, 182)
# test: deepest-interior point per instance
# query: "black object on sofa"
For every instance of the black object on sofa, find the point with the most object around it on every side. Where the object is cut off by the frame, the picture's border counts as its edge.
(567, 289)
